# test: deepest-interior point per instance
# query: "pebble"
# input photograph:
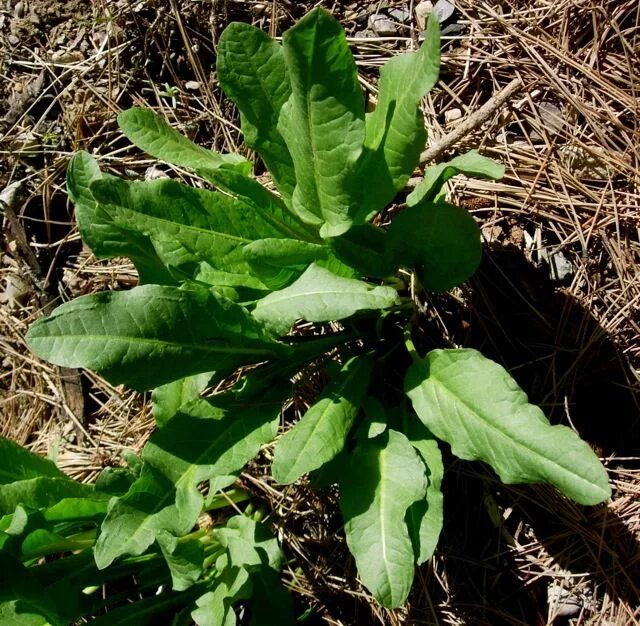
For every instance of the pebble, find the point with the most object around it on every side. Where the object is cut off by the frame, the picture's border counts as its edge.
(382, 25)
(401, 15)
(452, 115)
(444, 10)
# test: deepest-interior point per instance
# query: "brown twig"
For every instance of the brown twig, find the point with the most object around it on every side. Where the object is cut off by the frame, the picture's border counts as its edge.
(474, 121)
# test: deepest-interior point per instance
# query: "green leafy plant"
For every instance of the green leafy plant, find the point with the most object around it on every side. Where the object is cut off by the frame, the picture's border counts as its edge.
(56, 567)
(227, 274)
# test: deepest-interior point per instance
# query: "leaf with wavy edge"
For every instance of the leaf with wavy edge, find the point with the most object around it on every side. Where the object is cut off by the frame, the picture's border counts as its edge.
(474, 405)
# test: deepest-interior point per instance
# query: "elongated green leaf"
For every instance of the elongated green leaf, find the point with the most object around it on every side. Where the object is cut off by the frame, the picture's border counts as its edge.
(277, 262)
(323, 429)
(425, 517)
(213, 439)
(40, 492)
(320, 296)
(151, 335)
(18, 463)
(474, 405)
(441, 241)
(100, 233)
(323, 121)
(185, 558)
(385, 476)
(185, 224)
(134, 521)
(471, 164)
(363, 248)
(167, 400)
(269, 207)
(151, 133)
(395, 133)
(252, 72)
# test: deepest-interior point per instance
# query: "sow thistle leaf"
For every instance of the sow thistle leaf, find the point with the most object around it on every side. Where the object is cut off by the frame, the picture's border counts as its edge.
(320, 296)
(167, 400)
(186, 225)
(321, 433)
(151, 133)
(441, 241)
(425, 517)
(363, 248)
(267, 206)
(474, 405)
(395, 133)
(98, 230)
(471, 164)
(323, 121)
(213, 439)
(134, 521)
(41, 492)
(17, 463)
(151, 335)
(277, 262)
(253, 74)
(384, 478)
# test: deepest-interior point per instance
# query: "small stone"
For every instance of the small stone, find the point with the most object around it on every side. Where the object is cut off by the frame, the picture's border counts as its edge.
(563, 602)
(192, 85)
(560, 268)
(452, 115)
(401, 15)
(422, 11)
(15, 292)
(444, 10)
(18, 10)
(13, 40)
(154, 173)
(585, 163)
(382, 26)
(258, 9)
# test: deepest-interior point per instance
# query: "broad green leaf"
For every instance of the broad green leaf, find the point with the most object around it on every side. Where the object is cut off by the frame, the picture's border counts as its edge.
(213, 439)
(151, 133)
(186, 225)
(14, 613)
(474, 405)
(395, 133)
(185, 557)
(100, 233)
(363, 248)
(441, 241)
(323, 121)
(77, 509)
(258, 536)
(167, 400)
(214, 607)
(41, 492)
(252, 72)
(385, 477)
(151, 335)
(18, 463)
(375, 422)
(321, 433)
(149, 508)
(277, 262)
(425, 517)
(320, 296)
(471, 164)
(269, 207)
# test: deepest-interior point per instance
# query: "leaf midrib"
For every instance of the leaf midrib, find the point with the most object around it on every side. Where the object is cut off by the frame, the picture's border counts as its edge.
(149, 340)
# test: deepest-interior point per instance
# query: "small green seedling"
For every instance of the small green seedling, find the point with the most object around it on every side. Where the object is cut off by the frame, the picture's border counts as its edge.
(225, 276)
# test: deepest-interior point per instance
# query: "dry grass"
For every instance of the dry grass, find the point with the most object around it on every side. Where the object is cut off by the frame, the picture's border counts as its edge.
(570, 142)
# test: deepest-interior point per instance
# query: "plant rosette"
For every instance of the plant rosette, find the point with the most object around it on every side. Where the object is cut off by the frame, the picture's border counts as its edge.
(227, 273)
